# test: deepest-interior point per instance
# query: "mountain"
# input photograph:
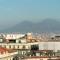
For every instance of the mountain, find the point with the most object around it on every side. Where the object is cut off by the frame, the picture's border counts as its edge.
(47, 25)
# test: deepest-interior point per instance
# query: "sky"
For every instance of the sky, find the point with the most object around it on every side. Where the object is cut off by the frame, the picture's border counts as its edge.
(14, 11)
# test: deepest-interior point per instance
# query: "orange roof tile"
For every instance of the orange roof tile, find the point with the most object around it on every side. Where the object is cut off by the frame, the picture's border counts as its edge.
(5, 50)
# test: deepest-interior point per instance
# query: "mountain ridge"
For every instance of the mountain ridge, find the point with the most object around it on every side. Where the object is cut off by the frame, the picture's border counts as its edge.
(47, 25)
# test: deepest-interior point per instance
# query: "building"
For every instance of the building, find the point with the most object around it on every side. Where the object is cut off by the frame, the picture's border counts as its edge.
(7, 54)
(26, 43)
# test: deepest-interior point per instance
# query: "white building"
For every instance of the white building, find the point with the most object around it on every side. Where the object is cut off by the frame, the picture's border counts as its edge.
(13, 36)
(49, 46)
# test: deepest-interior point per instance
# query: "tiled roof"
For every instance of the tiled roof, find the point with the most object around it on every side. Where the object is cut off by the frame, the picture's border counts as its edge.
(2, 50)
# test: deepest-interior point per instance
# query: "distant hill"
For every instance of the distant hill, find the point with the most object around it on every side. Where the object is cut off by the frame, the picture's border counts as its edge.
(47, 25)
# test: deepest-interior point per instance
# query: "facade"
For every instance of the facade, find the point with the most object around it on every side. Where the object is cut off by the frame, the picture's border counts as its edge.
(7, 54)
(25, 44)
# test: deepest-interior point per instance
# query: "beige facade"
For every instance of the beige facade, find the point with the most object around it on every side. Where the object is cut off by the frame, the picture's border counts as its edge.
(49, 46)
(14, 46)
(42, 45)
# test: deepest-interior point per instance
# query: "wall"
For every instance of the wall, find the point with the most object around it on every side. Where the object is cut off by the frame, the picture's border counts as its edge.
(49, 45)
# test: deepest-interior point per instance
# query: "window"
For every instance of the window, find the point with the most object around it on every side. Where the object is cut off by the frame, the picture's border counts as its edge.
(34, 47)
(9, 46)
(13, 46)
(23, 46)
(12, 41)
(18, 46)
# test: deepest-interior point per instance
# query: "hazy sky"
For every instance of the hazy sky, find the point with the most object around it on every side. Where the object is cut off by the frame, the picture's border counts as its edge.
(13, 11)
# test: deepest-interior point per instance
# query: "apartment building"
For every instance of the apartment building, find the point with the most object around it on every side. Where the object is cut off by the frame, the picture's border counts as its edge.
(7, 54)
